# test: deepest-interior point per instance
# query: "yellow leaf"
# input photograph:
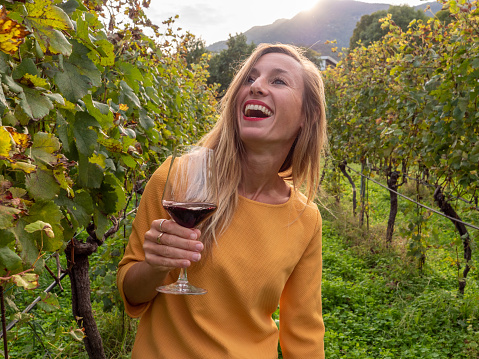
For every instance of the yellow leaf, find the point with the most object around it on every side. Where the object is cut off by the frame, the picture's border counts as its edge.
(5, 143)
(24, 166)
(26, 280)
(47, 15)
(11, 33)
(21, 139)
(29, 79)
(98, 159)
(123, 107)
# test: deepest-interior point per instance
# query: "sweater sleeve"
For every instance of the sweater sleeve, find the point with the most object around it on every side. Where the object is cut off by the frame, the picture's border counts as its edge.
(301, 320)
(150, 208)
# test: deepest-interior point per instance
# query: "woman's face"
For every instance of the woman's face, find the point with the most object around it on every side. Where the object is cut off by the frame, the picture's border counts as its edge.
(270, 102)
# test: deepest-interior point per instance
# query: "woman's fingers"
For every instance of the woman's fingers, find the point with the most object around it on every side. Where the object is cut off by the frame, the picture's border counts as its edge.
(175, 246)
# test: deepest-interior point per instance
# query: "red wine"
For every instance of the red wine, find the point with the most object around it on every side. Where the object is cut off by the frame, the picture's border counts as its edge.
(189, 215)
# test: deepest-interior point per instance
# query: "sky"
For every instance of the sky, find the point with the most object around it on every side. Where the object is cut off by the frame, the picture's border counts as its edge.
(215, 20)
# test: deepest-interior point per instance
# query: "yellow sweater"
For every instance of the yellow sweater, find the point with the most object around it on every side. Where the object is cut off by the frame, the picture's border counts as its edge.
(270, 254)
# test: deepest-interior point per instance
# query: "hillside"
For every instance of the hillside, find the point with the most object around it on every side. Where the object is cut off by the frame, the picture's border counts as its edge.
(328, 20)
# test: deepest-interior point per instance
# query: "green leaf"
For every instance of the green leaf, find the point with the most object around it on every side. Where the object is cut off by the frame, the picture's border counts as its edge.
(65, 133)
(58, 98)
(54, 41)
(80, 207)
(49, 302)
(6, 237)
(69, 7)
(102, 223)
(100, 111)
(9, 259)
(44, 146)
(90, 175)
(42, 185)
(112, 195)
(29, 250)
(127, 92)
(107, 51)
(34, 103)
(40, 211)
(85, 137)
(72, 84)
(7, 216)
(40, 226)
(85, 66)
(132, 75)
(27, 66)
(145, 121)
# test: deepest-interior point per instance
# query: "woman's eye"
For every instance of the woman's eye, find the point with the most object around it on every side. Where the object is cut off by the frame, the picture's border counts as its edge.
(250, 80)
(279, 82)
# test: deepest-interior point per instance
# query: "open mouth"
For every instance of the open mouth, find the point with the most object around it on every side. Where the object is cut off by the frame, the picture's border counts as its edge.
(257, 111)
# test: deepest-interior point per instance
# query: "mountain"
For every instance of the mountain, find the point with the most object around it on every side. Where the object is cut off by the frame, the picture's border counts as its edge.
(328, 20)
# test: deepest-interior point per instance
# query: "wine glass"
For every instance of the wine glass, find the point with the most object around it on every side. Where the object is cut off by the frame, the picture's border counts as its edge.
(190, 196)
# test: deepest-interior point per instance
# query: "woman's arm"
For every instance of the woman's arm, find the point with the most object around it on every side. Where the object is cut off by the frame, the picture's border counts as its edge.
(301, 320)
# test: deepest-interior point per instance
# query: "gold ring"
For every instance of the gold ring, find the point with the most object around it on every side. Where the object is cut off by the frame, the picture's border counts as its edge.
(159, 237)
(161, 223)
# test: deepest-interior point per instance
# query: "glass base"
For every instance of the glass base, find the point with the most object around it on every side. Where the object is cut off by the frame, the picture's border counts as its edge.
(181, 287)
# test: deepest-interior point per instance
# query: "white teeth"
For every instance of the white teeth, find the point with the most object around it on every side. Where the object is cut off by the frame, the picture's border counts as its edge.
(258, 108)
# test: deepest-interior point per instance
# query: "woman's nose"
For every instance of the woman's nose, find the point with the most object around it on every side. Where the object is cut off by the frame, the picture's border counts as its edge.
(257, 87)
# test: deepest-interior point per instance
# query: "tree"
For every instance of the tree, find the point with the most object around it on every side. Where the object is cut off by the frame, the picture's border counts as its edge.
(224, 64)
(368, 29)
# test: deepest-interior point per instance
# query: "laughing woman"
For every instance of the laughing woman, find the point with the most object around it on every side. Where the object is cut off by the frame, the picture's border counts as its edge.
(261, 248)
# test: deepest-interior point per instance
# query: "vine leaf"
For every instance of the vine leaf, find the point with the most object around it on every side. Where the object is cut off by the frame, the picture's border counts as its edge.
(40, 226)
(80, 59)
(9, 259)
(44, 146)
(7, 215)
(42, 185)
(49, 21)
(132, 74)
(12, 33)
(85, 138)
(127, 91)
(34, 104)
(5, 143)
(71, 83)
(49, 302)
(81, 207)
(38, 212)
(26, 280)
(90, 175)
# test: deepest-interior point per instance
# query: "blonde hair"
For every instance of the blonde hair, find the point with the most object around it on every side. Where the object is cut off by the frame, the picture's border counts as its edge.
(302, 164)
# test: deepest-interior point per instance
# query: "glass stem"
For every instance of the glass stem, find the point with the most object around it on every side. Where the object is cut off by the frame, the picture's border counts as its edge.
(183, 277)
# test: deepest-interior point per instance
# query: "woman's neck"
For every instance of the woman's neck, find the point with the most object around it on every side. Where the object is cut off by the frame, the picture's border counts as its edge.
(261, 181)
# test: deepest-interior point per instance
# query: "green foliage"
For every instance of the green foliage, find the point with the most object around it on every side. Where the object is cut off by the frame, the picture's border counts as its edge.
(413, 96)
(224, 64)
(369, 29)
(86, 114)
(375, 305)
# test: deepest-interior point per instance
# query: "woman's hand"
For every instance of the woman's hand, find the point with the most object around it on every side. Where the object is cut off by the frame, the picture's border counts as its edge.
(168, 245)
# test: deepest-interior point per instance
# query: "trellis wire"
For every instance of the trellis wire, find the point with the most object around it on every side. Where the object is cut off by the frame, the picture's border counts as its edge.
(411, 200)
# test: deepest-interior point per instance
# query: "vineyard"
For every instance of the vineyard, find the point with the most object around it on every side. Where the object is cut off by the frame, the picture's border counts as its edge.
(406, 107)
(90, 106)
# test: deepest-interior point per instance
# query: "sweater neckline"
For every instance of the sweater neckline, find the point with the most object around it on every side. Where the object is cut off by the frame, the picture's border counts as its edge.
(291, 196)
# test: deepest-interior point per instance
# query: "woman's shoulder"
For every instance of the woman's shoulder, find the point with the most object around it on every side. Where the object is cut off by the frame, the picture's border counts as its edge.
(308, 209)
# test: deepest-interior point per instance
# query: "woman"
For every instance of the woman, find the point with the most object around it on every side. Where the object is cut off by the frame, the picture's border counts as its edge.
(263, 244)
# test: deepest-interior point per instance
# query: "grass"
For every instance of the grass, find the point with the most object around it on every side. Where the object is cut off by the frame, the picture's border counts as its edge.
(377, 301)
